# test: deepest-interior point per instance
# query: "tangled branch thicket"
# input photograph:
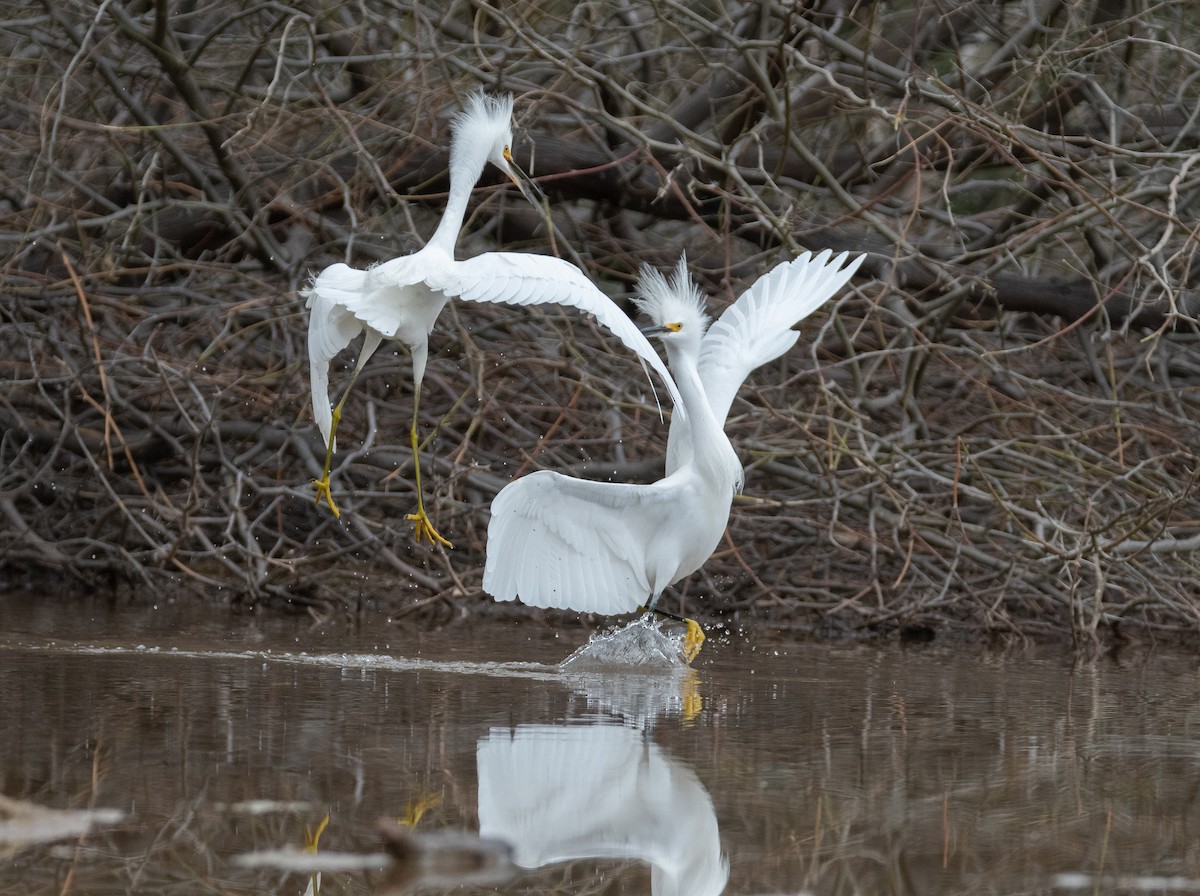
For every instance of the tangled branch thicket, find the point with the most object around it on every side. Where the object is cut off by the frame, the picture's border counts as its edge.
(991, 432)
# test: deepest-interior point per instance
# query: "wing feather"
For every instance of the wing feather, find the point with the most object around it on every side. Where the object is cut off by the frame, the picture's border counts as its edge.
(325, 297)
(380, 297)
(573, 544)
(522, 278)
(757, 328)
(330, 329)
(398, 301)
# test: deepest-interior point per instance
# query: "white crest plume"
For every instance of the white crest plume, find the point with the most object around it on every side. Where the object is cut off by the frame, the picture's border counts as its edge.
(678, 300)
(484, 117)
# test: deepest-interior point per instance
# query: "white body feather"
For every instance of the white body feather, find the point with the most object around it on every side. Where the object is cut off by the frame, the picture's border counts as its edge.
(556, 541)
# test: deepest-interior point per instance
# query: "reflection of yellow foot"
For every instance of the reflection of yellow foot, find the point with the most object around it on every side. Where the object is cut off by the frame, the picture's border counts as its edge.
(693, 640)
(324, 492)
(414, 809)
(690, 698)
(312, 838)
(424, 528)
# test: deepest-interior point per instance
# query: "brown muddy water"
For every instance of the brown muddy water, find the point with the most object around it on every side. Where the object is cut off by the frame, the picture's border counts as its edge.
(149, 752)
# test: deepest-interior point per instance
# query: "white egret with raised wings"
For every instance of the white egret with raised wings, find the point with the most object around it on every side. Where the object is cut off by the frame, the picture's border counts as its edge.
(401, 299)
(611, 547)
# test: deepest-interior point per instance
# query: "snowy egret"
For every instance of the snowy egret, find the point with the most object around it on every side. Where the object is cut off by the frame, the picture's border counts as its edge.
(401, 299)
(610, 547)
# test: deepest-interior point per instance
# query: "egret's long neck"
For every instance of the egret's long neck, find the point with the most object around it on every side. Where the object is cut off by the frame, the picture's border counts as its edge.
(710, 446)
(467, 160)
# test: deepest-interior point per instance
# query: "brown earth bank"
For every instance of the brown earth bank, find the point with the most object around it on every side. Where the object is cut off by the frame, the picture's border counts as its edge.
(989, 434)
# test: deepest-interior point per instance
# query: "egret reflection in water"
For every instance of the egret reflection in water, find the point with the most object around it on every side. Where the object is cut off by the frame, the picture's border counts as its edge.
(563, 792)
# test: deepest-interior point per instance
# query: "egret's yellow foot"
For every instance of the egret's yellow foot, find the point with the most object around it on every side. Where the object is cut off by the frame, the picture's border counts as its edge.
(323, 491)
(424, 528)
(693, 640)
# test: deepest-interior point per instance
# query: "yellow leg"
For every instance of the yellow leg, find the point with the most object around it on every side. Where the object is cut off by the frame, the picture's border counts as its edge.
(371, 342)
(322, 484)
(423, 526)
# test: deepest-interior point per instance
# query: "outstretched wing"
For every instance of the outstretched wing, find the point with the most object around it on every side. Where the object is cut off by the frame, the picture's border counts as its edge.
(331, 327)
(757, 328)
(522, 278)
(573, 544)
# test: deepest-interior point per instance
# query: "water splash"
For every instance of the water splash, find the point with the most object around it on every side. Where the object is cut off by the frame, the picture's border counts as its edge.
(647, 644)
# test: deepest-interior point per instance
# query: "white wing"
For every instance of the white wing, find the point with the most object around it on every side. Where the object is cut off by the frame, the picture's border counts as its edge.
(757, 328)
(521, 278)
(575, 544)
(331, 327)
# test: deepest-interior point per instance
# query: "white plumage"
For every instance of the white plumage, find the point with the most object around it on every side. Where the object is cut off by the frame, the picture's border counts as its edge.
(401, 299)
(603, 547)
(558, 792)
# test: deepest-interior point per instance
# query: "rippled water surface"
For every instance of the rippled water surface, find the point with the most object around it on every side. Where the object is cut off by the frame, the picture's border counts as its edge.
(467, 761)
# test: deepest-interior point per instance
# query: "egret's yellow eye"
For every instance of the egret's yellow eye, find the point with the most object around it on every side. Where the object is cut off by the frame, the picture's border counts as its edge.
(674, 328)
(507, 154)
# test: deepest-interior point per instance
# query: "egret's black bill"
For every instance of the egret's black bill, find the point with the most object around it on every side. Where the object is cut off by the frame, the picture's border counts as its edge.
(526, 184)
(533, 194)
(659, 329)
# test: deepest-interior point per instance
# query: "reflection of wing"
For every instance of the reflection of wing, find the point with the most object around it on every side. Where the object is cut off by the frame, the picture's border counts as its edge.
(566, 792)
(757, 328)
(330, 329)
(521, 278)
(555, 541)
